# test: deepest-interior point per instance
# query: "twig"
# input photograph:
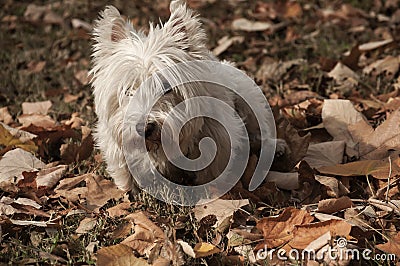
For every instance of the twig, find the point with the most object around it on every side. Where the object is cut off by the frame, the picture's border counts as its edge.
(388, 182)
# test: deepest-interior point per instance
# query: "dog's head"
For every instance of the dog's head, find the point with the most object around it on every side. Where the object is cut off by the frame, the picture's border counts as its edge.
(124, 58)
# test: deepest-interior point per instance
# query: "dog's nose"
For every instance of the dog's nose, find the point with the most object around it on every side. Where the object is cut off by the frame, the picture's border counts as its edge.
(145, 130)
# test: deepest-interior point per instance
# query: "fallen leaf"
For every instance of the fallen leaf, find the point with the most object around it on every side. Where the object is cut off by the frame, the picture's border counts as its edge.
(388, 66)
(222, 209)
(38, 120)
(336, 122)
(325, 153)
(392, 246)
(49, 177)
(279, 230)
(82, 76)
(370, 46)
(16, 138)
(286, 181)
(16, 161)
(334, 188)
(205, 249)
(86, 225)
(225, 42)
(118, 255)
(146, 235)
(303, 235)
(119, 209)
(247, 25)
(35, 67)
(334, 205)
(377, 168)
(341, 73)
(78, 23)
(100, 191)
(5, 116)
(36, 107)
(187, 249)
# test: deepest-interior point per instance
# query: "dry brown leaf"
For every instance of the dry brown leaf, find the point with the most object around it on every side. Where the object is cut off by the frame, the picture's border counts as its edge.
(297, 147)
(146, 235)
(279, 230)
(334, 187)
(10, 138)
(286, 181)
(392, 246)
(100, 191)
(75, 121)
(16, 161)
(247, 25)
(388, 66)
(303, 235)
(205, 249)
(225, 42)
(78, 23)
(334, 205)
(222, 209)
(377, 168)
(5, 116)
(337, 115)
(119, 209)
(375, 144)
(35, 67)
(36, 107)
(325, 153)
(118, 255)
(38, 120)
(82, 76)
(86, 225)
(341, 73)
(293, 10)
(68, 189)
(370, 46)
(49, 177)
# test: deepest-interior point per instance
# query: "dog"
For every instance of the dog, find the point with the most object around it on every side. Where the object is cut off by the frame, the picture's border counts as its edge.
(124, 58)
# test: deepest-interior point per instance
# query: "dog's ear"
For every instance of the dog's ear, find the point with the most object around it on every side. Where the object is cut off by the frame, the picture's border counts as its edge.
(110, 27)
(185, 23)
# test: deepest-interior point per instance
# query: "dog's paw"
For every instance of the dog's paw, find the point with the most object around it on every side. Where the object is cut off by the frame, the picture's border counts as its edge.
(281, 148)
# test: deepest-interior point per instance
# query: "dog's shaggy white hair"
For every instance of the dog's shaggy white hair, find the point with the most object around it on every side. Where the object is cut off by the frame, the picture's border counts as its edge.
(124, 58)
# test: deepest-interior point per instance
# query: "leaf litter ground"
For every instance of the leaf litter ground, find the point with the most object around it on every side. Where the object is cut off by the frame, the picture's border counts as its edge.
(331, 74)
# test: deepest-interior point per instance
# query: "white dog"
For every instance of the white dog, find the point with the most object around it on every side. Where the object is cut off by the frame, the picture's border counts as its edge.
(124, 59)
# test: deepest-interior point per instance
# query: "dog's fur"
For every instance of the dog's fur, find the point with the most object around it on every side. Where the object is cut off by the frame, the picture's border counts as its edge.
(124, 58)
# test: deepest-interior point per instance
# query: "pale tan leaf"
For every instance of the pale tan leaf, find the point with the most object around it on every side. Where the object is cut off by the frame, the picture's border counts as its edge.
(247, 25)
(5, 116)
(86, 225)
(16, 161)
(334, 205)
(375, 144)
(222, 209)
(337, 115)
(225, 42)
(187, 248)
(341, 73)
(325, 153)
(365, 47)
(36, 107)
(118, 255)
(38, 120)
(49, 177)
